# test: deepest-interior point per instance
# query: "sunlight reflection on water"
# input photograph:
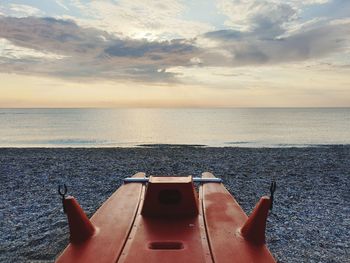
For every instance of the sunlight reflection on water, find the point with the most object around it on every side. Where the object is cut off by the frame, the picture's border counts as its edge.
(243, 127)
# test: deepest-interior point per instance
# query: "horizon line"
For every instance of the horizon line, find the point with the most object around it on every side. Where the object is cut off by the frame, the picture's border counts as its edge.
(186, 107)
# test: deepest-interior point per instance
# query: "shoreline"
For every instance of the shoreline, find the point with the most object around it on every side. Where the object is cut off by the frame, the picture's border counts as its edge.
(307, 224)
(166, 145)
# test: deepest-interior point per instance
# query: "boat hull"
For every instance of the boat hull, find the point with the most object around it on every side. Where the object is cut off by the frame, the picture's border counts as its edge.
(128, 228)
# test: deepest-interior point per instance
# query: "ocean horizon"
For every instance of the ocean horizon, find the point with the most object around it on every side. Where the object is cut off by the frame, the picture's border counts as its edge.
(213, 127)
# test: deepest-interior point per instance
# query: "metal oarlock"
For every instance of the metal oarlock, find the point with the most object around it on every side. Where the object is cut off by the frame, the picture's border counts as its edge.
(62, 193)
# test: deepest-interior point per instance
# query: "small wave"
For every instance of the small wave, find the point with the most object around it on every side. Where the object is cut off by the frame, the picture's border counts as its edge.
(239, 142)
(160, 145)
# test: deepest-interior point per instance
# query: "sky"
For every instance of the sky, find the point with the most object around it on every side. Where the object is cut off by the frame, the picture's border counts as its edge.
(201, 53)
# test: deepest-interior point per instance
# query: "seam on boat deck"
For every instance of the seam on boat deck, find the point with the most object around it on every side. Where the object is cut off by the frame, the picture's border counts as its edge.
(132, 229)
(201, 203)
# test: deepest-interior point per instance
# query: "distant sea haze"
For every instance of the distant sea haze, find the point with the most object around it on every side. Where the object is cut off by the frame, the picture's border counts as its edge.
(238, 127)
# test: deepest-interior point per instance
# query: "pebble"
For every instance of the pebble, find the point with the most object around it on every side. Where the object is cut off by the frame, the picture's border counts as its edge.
(309, 221)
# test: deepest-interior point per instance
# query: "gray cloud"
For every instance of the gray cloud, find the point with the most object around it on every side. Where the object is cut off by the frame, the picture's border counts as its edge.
(268, 21)
(246, 48)
(277, 32)
(49, 34)
(89, 52)
(137, 48)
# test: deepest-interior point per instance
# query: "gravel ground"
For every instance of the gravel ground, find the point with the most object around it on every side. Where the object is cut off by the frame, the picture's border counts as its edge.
(310, 221)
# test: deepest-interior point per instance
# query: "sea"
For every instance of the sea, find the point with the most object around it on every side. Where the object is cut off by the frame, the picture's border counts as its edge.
(133, 127)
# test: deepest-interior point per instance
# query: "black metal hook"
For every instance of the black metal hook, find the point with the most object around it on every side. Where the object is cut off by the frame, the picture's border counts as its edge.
(272, 191)
(63, 194)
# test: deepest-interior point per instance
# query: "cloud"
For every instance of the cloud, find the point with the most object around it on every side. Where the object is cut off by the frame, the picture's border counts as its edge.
(9, 52)
(17, 10)
(266, 18)
(246, 48)
(61, 4)
(62, 48)
(87, 52)
(278, 31)
(154, 50)
(153, 19)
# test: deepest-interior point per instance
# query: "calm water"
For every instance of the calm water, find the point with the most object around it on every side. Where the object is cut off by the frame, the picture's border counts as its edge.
(214, 127)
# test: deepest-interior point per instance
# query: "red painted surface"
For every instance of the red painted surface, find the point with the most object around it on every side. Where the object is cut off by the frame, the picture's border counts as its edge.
(254, 228)
(178, 240)
(168, 222)
(80, 227)
(113, 221)
(170, 231)
(224, 219)
(170, 197)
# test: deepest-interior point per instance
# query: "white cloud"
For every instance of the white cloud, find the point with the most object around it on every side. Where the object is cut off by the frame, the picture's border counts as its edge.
(307, 2)
(10, 51)
(18, 10)
(304, 26)
(153, 20)
(340, 21)
(61, 4)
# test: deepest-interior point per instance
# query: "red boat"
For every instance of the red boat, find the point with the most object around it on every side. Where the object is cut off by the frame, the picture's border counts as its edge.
(164, 219)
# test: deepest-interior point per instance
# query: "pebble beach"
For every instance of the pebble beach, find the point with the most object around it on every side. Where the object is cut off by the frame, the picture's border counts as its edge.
(310, 220)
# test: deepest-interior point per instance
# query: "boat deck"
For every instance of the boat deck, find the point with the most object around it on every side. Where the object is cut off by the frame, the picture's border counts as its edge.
(126, 233)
